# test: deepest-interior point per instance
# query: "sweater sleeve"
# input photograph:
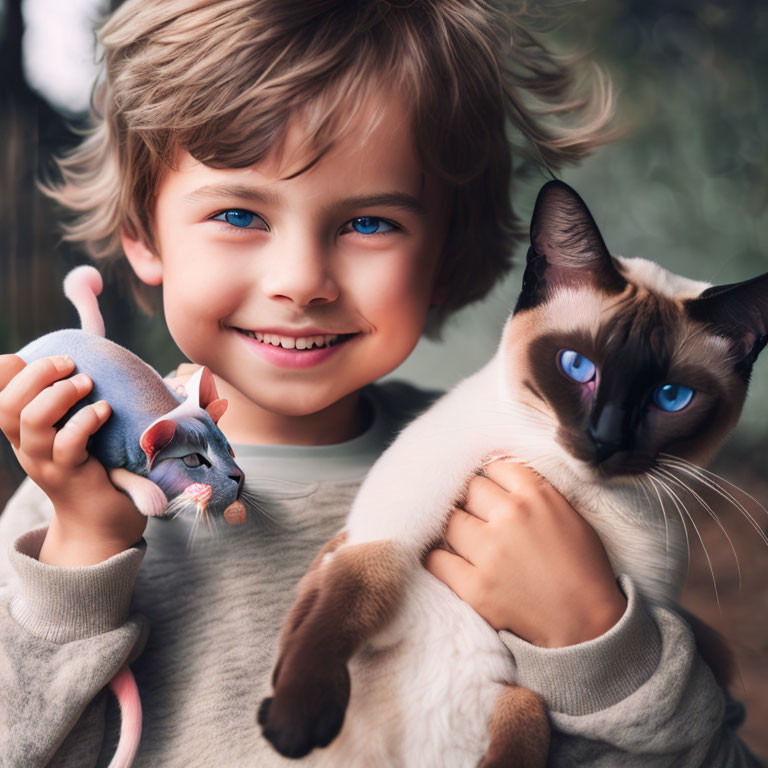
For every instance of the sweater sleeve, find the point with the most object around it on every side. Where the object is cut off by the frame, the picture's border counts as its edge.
(64, 633)
(639, 695)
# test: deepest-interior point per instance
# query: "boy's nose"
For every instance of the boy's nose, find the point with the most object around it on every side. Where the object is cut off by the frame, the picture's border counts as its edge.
(300, 276)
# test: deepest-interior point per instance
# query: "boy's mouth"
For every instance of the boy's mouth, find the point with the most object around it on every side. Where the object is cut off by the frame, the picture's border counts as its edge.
(298, 343)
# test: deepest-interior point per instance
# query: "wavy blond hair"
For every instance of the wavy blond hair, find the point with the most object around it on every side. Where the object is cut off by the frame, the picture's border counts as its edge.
(221, 78)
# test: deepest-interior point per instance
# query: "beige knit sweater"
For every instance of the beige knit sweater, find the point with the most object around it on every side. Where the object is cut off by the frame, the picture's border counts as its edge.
(200, 624)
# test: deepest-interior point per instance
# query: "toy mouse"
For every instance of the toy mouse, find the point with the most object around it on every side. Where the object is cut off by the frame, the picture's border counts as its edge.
(161, 449)
(164, 451)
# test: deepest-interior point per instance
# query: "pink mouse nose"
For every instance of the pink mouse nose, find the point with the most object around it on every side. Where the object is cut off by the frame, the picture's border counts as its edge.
(198, 492)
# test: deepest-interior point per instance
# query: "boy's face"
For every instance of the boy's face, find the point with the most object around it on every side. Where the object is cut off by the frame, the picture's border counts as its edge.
(349, 248)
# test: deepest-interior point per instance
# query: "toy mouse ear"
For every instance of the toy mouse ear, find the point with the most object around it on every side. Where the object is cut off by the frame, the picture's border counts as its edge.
(201, 388)
(155, 437)
(216, 409)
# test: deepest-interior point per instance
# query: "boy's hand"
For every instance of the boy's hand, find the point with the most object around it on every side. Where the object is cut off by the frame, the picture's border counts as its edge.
(527, 561)
(92, 519)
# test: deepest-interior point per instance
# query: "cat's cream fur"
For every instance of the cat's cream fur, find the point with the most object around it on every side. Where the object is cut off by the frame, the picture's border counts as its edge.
(427, 672)
(425, 688)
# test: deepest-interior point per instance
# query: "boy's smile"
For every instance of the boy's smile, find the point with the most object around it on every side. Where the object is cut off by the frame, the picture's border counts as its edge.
(297, 292)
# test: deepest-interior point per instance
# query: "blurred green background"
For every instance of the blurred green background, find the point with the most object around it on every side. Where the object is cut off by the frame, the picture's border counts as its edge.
(686, 186)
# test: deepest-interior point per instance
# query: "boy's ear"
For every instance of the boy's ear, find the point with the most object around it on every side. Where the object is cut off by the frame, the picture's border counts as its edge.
(147, 266)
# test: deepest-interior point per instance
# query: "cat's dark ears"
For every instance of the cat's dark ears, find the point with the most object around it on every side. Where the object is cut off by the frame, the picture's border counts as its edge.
(739, 312)
(567, 248)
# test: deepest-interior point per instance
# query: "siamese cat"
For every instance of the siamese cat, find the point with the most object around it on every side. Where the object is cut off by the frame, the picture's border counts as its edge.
(612, 379)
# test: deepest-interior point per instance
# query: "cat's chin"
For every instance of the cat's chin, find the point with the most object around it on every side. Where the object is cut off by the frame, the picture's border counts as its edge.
(623, 465)
(615, 471)
(623, 473)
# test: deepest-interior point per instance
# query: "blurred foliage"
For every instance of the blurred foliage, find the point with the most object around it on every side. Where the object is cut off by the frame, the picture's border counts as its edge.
(686, 184)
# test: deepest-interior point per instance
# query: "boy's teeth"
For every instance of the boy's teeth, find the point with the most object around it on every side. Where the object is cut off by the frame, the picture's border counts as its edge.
(291, 342)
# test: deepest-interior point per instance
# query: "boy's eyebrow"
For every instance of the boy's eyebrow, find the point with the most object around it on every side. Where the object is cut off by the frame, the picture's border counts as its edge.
(242, 191)
(387, 200)
(264, 195)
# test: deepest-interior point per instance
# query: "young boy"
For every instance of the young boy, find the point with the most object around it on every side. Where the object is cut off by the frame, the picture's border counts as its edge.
(305, 181)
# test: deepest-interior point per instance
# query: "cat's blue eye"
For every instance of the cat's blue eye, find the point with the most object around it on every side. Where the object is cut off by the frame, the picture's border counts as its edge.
(672, 397)
(371, 225)
(242, 219)
(576, 366)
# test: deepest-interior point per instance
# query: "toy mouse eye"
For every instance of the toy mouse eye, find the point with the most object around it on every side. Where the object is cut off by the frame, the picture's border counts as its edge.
(195, 460)
(576, 366)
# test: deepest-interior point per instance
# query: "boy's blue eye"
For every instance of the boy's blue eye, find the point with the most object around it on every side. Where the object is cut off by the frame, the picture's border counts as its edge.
(672, 397)
(576, 366)
(369, 225)
(239, 217)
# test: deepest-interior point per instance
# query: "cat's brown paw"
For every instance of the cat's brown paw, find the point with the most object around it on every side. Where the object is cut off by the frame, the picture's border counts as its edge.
(307, 714)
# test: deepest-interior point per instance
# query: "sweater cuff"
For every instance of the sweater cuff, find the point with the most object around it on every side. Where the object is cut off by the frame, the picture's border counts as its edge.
(62, 604)
(591, 676)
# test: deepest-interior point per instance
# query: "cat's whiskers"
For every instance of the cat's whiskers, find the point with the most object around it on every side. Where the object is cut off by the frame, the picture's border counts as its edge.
(638, 483)
(176, 507)
(663, 508)
(193, 531)
(713, 482)
(202, 516)
(253, 503)
(681, 508)
(666, 472)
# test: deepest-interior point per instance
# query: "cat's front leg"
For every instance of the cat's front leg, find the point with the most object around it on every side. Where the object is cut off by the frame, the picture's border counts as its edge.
(519, 731)
(343, 601)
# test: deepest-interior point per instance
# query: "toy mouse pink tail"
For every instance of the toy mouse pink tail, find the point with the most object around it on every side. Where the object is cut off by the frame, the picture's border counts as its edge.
(123, 685)
(81, 286)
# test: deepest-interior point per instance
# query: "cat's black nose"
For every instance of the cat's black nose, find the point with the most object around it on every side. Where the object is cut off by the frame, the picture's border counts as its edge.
(604, 451)
(607, 431)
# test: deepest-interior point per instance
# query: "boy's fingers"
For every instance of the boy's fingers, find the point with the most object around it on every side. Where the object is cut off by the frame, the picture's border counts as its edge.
(529, 486)
(513, 476)
(522, 481)
(10, 365)
(37, 419)
(69, 444)
(486, 499)
(25, 386)
(464, 534)
(452, 570)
